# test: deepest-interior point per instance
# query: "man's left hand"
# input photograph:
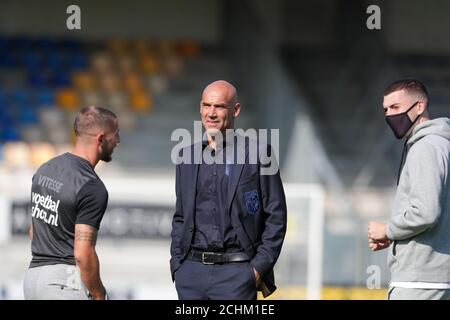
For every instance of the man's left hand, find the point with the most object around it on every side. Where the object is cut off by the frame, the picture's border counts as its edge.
(257, 277)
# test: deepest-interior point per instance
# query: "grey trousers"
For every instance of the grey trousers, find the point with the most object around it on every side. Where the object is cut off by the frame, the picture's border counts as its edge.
(395, 293)
(54, 282)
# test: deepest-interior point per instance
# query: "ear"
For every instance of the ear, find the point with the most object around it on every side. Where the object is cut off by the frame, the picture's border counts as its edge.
(237, 110)
(421, 106)
(99, 138)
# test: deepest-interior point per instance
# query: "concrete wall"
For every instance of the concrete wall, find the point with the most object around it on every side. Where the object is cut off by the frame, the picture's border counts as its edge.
(198, 19)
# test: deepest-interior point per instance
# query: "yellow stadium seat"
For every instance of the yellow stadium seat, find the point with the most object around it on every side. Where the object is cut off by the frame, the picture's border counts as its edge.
(117, 45)
(189, 49)
(84, 80)
(67, 99)
(141, 101)
(140, 46)
(132, 82)
(166, 47)
(149, 64)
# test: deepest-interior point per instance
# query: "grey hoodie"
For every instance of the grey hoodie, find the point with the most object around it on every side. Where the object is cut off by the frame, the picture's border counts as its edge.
(420, 221)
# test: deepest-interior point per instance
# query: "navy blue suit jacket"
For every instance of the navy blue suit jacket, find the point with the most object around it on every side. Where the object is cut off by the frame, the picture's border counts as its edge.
(257, 208)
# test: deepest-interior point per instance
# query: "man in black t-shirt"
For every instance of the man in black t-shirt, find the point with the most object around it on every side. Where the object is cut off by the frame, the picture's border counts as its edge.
(68, 201)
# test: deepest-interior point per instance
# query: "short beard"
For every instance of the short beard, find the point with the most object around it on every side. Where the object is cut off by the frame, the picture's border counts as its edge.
(106, 156)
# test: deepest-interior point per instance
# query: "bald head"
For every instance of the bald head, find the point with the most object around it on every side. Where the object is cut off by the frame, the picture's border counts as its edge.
(92, 120)
(219, 106)
(222, 88)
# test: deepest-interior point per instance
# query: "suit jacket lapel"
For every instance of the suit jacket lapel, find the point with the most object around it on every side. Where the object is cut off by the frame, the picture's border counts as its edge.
(193, 172)
(236, 170)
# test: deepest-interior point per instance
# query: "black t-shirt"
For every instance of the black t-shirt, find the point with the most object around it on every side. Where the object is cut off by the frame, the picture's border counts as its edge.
(65, 191)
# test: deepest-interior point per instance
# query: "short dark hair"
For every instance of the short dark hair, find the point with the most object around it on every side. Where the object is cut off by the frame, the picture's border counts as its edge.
(410, 85)
(90, 118)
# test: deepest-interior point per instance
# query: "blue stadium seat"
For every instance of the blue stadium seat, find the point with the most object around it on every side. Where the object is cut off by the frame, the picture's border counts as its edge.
(7, 117)
(10, 133)
(44, 97)
(27, 115)
(32, 60)
(39, 78)
(54, 61)
(77, 61)
(61, 79)
(20, 97)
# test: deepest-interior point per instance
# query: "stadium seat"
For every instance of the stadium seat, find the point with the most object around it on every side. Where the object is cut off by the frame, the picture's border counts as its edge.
(77, 61)
(83, 80)
(141, 101)
(39, 78)
(189, 49)
(140, 47)
(117, 45)
(67, 99)
(27, 115)
(10, 133)
(61, 79)
(54, 61)
(149, 63)
(44, 97)
(20, 97)
(32, 60)
(132, 82)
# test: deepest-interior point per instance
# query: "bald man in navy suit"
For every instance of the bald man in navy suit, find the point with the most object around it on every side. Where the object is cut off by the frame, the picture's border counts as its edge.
(230, 219)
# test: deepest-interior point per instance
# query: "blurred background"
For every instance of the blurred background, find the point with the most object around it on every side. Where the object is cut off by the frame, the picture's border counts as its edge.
(309, 68)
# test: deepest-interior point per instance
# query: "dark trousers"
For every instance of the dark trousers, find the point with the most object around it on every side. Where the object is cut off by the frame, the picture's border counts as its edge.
(232, 281)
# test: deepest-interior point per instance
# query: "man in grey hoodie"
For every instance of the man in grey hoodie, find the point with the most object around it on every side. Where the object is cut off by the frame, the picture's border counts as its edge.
(418, 231)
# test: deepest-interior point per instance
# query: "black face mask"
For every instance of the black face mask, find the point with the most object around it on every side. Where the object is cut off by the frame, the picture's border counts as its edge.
(401, 123)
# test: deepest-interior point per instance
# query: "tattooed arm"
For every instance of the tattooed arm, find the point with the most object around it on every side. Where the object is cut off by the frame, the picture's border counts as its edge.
(87, 260)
